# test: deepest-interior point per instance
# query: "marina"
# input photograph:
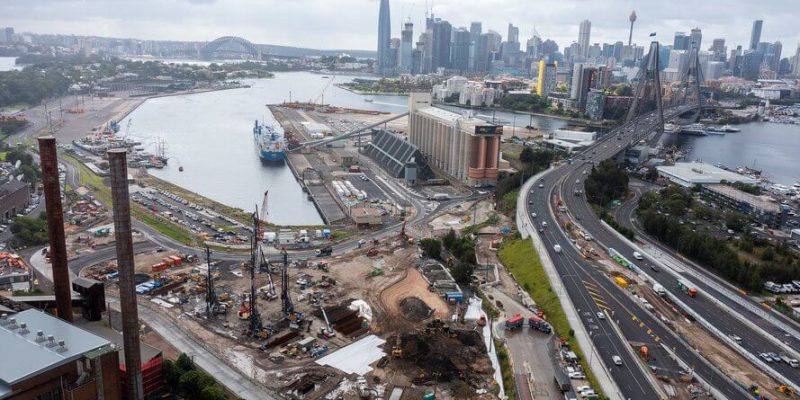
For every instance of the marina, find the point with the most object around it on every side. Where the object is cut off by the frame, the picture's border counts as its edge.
(768, 147)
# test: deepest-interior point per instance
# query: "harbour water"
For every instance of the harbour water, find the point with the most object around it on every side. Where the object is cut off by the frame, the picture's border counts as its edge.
(770, 147)
(210, 136)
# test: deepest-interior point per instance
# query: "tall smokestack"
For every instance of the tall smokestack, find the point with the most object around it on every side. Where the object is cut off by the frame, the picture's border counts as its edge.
(117, 161)
(55, 226)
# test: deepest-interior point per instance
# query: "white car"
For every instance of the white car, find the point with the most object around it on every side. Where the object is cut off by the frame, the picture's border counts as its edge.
(637, 255)
(577, 375)
(601, 315)
(617, 360)
(533, 215)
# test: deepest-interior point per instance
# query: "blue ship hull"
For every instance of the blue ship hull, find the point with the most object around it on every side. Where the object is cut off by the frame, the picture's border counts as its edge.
(272, 156)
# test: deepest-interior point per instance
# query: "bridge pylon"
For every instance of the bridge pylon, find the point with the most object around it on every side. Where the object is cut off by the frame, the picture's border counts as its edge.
(648, 88)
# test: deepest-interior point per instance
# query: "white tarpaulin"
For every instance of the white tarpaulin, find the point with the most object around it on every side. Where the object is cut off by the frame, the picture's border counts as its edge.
(356, 358)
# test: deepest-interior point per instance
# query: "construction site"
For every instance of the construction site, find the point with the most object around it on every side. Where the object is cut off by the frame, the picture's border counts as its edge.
(365, 324)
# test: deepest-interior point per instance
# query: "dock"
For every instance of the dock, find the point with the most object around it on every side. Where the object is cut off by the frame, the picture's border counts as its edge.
(319, 193)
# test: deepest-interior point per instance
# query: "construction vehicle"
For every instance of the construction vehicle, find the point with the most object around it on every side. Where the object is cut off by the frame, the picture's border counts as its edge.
(102, 232)
(645, 353)
(397, 350)
(539, 324)
(787, 390)
(686, 288)
(326, 331)
(514, 322)
(325, 251)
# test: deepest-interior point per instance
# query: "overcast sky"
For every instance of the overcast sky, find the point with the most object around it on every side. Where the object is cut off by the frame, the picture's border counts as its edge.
(352, 24)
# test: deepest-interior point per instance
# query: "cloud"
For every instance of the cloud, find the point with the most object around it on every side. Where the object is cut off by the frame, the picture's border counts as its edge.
(336, 24)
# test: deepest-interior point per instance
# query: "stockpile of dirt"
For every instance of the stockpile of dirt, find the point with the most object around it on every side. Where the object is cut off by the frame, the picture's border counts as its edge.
(439, 353)
(414, 309)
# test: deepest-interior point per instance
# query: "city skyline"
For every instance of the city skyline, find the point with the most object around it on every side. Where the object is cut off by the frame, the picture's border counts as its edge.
(329, 27)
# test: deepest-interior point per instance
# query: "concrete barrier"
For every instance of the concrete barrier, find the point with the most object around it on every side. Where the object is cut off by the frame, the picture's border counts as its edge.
(526, 229)
(710, 327)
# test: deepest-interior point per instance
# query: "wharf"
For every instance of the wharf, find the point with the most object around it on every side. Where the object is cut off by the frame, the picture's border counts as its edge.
(319, 194)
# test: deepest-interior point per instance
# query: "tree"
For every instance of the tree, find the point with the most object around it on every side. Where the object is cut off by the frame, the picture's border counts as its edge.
(185, 362)
(449, 239)
(526, 156)
(172, 373)
(29, 231)
(431, 247)
(213, 392)
(462, 272)
(735, 221)
(192, 383)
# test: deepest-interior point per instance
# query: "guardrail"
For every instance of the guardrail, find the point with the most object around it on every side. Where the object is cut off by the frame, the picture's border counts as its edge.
(526, 229)
(710, 327)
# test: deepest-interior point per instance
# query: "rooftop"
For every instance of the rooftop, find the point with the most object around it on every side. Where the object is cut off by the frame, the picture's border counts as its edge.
(11, 187)
(32, 357)
(451, 117)
(701, 173)
(762, 203)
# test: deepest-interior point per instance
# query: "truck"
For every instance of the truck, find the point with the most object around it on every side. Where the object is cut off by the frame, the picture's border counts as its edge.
(685, 287)
(514, 322)
(659, 289)
(539, 324)
(622, 282)
(325, 251)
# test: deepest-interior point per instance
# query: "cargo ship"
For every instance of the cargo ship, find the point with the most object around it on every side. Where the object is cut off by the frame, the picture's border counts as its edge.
(270, 142)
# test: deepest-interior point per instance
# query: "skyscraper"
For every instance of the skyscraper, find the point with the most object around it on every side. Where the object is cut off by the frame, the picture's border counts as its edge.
(695, 38)
(475, 30)
(584, 34)
(547, 78)
(796, 66)
(719, 49)
(460, 54)
(513, 34)
(773, 55)
(632, 18)
(681, 41)
(481, 53)
(755, 34)
(384, 37)
(406, 49)
(442, 31)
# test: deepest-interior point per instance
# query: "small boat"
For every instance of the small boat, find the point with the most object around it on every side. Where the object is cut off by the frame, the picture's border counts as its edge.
(368, 99)
(694, 129)
(728, 128)
(180, 169)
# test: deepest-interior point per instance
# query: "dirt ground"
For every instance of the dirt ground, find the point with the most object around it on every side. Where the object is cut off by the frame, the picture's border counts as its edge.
(717, 353)
(461, 216)
(412, 285)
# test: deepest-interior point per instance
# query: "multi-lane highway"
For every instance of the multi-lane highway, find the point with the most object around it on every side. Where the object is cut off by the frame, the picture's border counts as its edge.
(589, 288)
(730, 316)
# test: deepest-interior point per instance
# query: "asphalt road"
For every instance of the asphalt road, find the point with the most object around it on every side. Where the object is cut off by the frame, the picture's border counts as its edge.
(579, 277)
(733, 298)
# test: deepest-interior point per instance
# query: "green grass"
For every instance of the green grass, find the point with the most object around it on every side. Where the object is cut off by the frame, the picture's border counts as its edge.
(163, 226)
(3, 154)
(521, 260)
(506, 370)
(102, 192)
